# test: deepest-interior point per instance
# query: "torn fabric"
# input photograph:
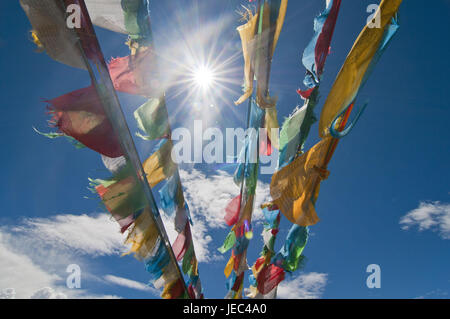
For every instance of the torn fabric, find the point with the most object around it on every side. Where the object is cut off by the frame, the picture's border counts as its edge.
(80, 114)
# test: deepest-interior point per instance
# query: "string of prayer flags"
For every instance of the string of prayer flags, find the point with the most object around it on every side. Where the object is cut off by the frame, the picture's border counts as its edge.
(293, 135)
(239, 211)
(366, 50)
(314, 58)
(259, 37)
(85, 115)
(135, 74)
(152, 119)
(310, 168)
(80, 114)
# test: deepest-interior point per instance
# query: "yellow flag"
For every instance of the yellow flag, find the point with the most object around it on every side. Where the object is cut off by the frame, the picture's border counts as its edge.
(296, 186)
(267, 39)
(247, 34)
(271, 122)
(160, 166)
(143, 236)
(258, 47)
(229, 267)
(352, 73)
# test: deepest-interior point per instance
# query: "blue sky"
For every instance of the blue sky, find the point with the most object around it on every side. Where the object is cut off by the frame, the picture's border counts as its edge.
(395, 159)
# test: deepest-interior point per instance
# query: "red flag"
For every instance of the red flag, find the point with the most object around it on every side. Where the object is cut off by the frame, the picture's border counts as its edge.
(323, 42)
(80, 114)
(269, 278)
(182, 243)
(133, 74)
(232, 211)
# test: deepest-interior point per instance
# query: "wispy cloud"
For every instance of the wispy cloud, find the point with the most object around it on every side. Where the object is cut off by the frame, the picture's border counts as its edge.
(95, 235)
(434, 216)
(20, 273)
(34, 255)
(48, 293)
(435, 294)
(132, 284)
(306, 286)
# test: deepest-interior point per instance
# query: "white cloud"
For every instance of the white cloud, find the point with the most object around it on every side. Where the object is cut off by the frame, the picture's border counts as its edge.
(306, 286)
(96, 235)
(18, 272)
(128, 283)
(48, 293)
(34, 255)
(209, 196)
(434, 216)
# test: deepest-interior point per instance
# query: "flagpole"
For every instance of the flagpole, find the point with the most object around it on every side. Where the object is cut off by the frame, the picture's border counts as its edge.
(115, 115)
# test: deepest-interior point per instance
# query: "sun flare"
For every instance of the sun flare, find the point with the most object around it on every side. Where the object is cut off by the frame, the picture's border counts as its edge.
(204, 77)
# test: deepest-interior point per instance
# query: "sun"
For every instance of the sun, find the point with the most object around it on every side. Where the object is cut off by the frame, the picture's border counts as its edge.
(204, 77)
